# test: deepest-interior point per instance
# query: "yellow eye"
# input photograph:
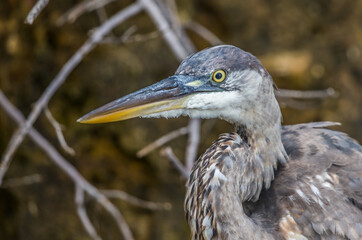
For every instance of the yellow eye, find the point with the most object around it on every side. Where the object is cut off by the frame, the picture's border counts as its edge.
(219, 76)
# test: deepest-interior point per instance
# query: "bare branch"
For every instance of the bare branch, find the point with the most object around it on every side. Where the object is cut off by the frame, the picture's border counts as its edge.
(286, 93)
(135, 201)
(82, 213)
(143, 37)
(58, 131)
(192, 143)
(172, 5)
(163, 26)
(168, 153)
(203, 32)
(131, 39)
(22, 181)
(116, 214)
(162, 141)
(81, 8)
(170, 14)
(62, 163)
(35, 11)
(102, 14)
(97, 36)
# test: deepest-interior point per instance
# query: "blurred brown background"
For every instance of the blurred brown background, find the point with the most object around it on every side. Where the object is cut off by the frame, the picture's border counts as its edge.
(305, 45)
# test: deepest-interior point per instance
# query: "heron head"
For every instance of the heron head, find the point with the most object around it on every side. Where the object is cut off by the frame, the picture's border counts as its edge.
(219, 82)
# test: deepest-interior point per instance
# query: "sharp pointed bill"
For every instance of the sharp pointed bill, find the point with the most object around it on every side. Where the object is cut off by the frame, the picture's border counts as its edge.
(169, 94)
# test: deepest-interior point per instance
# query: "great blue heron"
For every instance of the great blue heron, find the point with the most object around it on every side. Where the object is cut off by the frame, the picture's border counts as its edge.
(263, 181)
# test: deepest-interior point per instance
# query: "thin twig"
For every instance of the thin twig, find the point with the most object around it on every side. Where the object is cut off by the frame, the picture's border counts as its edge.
(82, 213)
(97, 36)
(286, 93)
(131, 39)
(172, 5)
(126, 34)
(163, 26)
(35, 11)
(174, 22)
(62, 163)
(162, 141)
(102, 14)
(168, 153)
(131, 30)
(86, 6)
(22, 181)
(58, 130)
(203, 32)
(136, 201)
(192, 143)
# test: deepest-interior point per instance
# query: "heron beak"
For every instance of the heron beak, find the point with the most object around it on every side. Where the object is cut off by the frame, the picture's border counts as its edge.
(168, 94)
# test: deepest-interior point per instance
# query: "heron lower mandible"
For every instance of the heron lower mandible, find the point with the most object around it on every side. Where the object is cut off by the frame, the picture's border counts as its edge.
(263, 181)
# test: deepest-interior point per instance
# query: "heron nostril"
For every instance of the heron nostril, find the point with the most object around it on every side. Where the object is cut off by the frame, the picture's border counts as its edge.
(169, 88)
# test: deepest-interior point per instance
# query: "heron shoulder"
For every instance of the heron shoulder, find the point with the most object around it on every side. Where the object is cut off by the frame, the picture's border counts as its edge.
(327, 158)
(314, 139)
(318, 192)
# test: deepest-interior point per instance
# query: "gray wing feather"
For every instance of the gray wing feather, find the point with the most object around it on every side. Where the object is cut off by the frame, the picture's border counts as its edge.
(321, 187)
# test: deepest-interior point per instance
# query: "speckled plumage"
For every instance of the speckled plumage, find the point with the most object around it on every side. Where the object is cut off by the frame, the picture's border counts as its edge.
(264, 181)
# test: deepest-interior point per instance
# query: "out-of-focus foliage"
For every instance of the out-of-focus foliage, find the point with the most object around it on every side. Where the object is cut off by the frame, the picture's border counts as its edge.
(305, 44)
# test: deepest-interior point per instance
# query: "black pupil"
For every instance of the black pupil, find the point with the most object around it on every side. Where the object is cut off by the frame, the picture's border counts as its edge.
(218, 75)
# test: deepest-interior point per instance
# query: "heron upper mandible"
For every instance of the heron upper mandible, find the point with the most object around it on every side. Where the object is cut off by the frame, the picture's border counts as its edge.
(264, 180)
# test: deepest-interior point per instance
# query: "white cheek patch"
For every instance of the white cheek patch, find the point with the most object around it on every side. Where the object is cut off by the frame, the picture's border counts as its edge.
(248, 81)
(214, 100)
(167, 114)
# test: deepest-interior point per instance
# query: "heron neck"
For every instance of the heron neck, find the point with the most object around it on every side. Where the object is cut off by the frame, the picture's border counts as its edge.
(253, 169)
(263, 150)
